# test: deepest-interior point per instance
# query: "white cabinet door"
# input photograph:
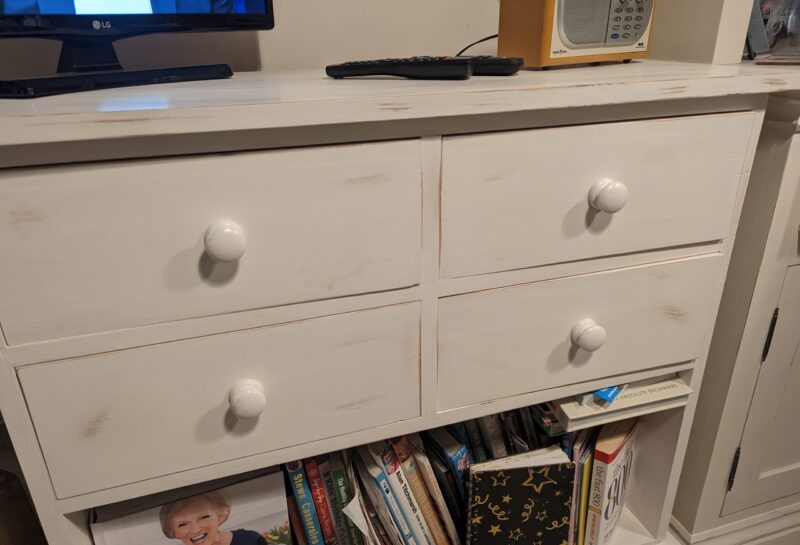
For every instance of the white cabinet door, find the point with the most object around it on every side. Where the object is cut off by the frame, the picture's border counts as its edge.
(769, 462)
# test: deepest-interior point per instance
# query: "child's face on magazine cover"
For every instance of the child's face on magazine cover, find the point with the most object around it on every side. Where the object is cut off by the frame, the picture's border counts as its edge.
(197, 523)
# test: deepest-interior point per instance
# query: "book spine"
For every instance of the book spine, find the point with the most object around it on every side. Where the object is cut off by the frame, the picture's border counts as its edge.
(317, 486)
(412, 473)
(343, 497)
(475, 439)
(333, 502)
(459, 431)
(470, 514)
(584, 503)
(528, 428)
(492, 429)
(594, 517)
(295, 521)
(409, 504)
(305, 503)
(390, 499)
(432, 484)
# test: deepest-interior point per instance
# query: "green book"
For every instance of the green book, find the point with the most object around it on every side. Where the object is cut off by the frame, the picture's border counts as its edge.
(344, 496)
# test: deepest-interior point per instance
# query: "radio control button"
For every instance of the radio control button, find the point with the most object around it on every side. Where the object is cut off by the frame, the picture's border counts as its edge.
(626, 36)
(627, 27)
(615, 36)
(617, 19)
(615, 27)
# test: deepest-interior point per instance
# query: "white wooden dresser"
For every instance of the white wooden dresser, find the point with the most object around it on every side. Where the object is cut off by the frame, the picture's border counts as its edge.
(379, 256)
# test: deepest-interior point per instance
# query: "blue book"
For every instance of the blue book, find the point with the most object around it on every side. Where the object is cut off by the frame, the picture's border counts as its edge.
(305, 503)
(373, 465)
(452, 452)
(609, 394)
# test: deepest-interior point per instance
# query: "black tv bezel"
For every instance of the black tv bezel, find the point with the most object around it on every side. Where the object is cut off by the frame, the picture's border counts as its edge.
(111, 27)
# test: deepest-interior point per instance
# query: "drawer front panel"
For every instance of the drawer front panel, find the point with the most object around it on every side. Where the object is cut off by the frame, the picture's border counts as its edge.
(521, 199)
(110, 246)
(510, 341)
(118, 418)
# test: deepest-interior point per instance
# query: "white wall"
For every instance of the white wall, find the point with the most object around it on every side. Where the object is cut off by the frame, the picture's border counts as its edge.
(706, 31)
(313, 33)
(307, 34)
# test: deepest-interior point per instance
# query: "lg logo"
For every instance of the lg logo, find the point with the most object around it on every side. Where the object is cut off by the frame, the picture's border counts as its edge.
(97, 25)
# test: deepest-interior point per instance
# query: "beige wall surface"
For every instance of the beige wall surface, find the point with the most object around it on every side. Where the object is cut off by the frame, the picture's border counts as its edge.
(307, 34)
(313, 33)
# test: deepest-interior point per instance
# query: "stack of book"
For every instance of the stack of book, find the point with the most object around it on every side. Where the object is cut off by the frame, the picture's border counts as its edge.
(510, 477)
(628, 401)
(494, 480)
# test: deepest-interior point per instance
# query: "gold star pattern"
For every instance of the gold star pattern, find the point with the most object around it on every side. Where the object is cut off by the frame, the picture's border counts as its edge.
(558, 493)
(539, 534)
(538, 478)
(477, 519)
(500, 479)
(507, 499)
(494, 530)
(541, 515)
(515, 534)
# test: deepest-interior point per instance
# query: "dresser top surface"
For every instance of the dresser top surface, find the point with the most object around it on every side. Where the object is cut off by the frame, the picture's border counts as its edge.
(308, 98)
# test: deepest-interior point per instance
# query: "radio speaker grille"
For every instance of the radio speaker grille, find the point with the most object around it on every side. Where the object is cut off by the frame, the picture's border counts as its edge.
(585, 22)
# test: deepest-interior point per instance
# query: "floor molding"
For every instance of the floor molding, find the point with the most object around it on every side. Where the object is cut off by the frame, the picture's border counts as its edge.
(750, 531)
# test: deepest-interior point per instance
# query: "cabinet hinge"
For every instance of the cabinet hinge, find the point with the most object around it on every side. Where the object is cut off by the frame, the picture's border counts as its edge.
(734, 467)
(770, 333)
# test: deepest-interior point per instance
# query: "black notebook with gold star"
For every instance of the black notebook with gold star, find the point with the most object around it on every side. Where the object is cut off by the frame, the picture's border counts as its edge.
(523, 499)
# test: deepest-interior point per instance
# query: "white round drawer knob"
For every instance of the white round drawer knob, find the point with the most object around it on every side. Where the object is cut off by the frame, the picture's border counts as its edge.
(225, 241)
(247, 399)
(588, 335)
(608, 196)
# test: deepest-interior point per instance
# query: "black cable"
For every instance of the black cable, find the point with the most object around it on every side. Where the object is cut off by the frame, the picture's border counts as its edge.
(486, 39)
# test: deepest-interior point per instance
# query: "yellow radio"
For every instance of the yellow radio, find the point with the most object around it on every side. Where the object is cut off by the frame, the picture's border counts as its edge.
(557, 32)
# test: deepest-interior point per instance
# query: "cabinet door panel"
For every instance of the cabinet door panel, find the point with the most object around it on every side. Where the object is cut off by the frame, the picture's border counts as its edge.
(769, 464)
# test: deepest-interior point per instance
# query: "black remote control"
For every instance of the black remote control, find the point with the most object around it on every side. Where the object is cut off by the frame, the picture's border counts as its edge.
(488, 65)
(412, 67)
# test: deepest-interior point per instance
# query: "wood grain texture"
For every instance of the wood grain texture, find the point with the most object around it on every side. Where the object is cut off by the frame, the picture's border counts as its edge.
(506, 342)
(124, 417)
(765, 247)
(306, 99)
(303, 109)
(119, 245)
(769, 466)
(519, 199)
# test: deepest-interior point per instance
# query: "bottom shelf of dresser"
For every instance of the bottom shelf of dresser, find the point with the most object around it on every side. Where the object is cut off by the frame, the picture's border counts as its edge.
(647, 499)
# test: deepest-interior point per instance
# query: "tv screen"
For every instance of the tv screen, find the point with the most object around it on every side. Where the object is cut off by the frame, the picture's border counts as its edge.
(130, 7)
(88, 29)
(117, 18)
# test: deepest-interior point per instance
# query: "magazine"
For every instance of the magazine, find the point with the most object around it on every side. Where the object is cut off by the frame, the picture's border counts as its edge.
(252, 512)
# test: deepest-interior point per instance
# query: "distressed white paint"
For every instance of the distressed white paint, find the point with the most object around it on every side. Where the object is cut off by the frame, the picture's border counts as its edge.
(766, 246)
(123, 417)
(119, 245)
(520, 199)
(514, 340)
(272, 110)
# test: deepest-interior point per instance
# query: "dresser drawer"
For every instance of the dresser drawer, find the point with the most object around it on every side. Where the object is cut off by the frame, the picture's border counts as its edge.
(110, 246)
(118, 418)
(510, 341)
(521, 199)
